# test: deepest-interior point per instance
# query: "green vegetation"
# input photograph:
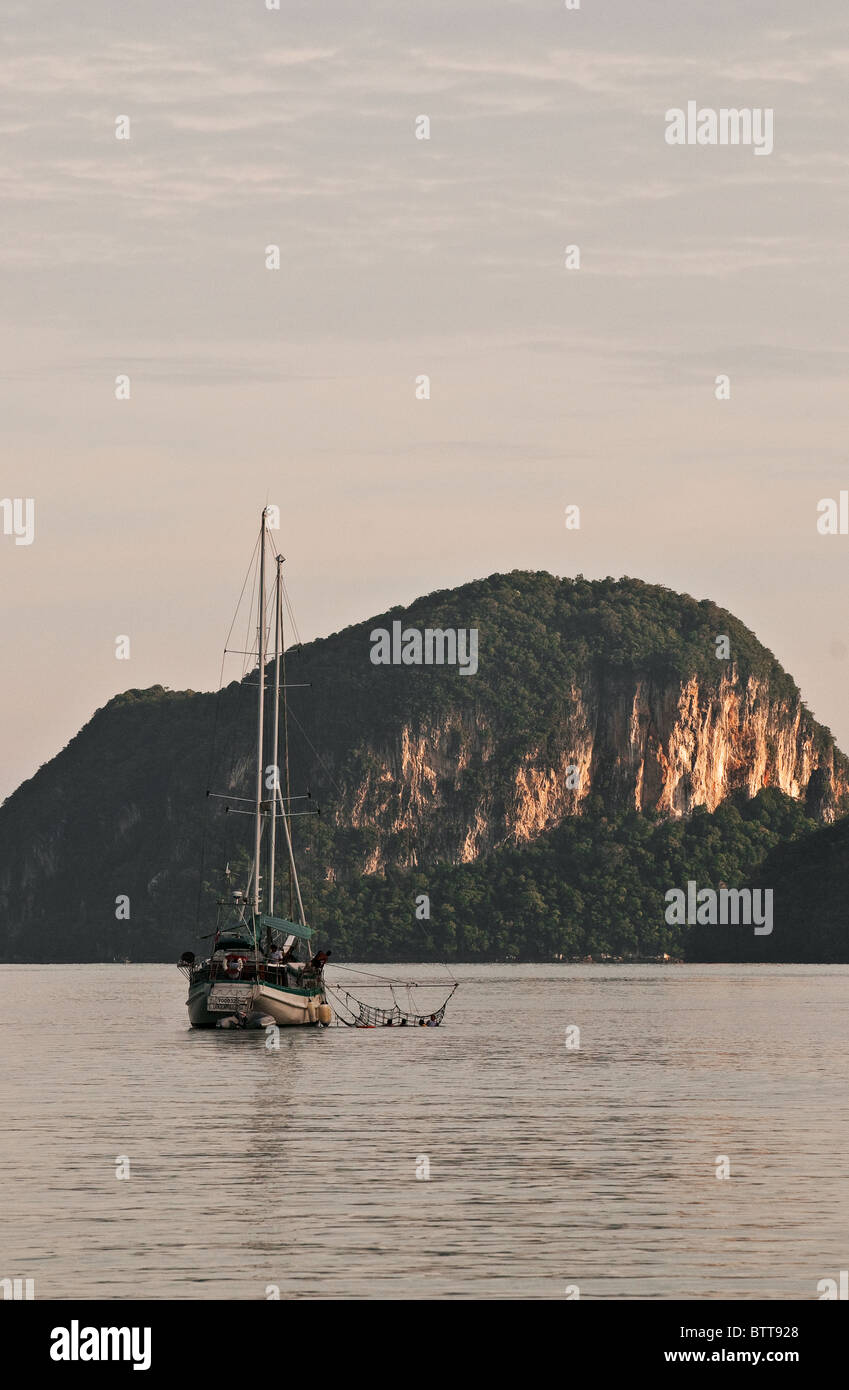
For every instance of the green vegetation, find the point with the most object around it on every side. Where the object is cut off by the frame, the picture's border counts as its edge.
(123, 811)
(809, 878)
(537, 633)
(594, 886)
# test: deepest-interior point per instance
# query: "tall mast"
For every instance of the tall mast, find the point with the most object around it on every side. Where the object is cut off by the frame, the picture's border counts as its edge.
(275, 759)
(260, 715)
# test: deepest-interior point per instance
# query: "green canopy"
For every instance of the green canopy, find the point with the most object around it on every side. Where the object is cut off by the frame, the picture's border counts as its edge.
(287, 928)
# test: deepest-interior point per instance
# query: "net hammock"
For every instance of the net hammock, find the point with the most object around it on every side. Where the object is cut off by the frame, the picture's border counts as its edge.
(365, 1015)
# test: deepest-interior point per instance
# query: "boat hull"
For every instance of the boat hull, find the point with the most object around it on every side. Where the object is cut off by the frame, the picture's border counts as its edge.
(289, 1007)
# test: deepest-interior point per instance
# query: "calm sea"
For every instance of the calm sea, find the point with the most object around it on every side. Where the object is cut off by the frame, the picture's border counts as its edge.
(549, 1166)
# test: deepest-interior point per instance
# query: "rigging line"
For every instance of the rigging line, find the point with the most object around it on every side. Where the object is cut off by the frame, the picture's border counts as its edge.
(251, 572)
(269, 609)
(339, 1005)
(269, 606)
(215, 726)
(291, 712)
(249, 644)
(282, 644)
(217, 712)
(357, 970)
(290, 610)
(319, 758)
(241, 595)
(205, 822)
(254, 649)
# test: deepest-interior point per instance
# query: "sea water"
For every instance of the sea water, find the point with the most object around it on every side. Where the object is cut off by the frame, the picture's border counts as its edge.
(566, 1132)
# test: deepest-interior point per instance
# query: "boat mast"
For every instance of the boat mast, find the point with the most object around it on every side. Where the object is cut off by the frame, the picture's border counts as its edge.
(260, 716)
(274, 758)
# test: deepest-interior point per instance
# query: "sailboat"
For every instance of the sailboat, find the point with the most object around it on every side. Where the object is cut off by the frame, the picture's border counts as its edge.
(260, 970)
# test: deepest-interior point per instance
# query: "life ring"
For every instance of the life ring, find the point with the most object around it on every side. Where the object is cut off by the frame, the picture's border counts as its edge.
(234, 965)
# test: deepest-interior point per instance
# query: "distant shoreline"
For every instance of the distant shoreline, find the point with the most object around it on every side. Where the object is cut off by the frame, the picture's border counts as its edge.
(567, 961)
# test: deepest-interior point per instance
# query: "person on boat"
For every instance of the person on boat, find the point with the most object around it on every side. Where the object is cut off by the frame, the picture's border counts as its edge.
(276, 955)
(432, 1023)
(403, 1023)
(320, 959)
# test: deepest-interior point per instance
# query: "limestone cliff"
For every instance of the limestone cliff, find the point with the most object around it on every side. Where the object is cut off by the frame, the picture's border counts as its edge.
(590, 697)
(435, 791)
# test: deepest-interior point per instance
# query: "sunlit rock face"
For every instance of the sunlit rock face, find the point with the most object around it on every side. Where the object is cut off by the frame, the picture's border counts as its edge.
(588, 697)
(635, 743)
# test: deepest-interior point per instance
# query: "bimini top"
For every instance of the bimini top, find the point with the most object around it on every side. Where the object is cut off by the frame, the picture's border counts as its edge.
(287, 928)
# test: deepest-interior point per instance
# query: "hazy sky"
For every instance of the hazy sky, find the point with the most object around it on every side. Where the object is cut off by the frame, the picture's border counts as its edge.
(399, 257)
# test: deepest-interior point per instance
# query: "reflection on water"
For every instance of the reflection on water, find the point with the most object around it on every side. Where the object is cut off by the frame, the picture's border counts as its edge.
(548, 1167)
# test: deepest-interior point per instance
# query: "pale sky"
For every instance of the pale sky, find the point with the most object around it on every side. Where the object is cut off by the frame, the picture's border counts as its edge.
(401, 257)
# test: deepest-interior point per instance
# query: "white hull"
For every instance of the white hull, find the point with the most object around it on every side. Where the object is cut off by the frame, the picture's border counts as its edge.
(290, 1008)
